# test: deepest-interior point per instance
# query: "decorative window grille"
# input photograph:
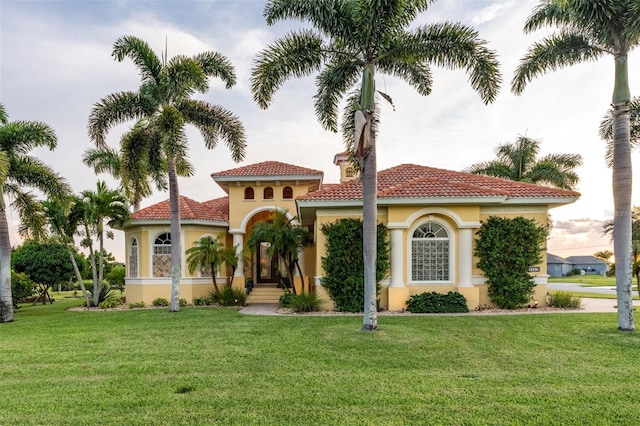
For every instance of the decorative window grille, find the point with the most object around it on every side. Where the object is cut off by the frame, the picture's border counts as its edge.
(133, 259)
(349, 172)
(430, 253)
(162, 244)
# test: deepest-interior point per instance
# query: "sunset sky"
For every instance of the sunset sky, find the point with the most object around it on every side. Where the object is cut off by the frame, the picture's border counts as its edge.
(55, 63)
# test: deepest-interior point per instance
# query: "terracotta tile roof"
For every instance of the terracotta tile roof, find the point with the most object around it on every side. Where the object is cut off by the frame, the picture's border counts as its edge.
(413, 181)
(268, 168)
(213, 210)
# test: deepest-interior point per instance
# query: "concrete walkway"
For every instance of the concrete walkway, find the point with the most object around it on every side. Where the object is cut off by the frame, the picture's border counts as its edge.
(589, 305)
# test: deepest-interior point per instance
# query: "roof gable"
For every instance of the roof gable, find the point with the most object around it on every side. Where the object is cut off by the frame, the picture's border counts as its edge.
(212, 210)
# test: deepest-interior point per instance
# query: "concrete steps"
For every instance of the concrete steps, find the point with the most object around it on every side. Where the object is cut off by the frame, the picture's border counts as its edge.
(264, 295)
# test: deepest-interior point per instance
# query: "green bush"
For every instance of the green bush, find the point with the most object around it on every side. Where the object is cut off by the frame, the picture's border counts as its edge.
(182, 302)
(344, 264)
(111, 302)
(160, 301)
(140, 304)
(105, 292)
(437, 303)
(21, 287)
(201, 301)
(305, 302)
(285, 299)
(230, 296)
(564, 299)
(506, 248)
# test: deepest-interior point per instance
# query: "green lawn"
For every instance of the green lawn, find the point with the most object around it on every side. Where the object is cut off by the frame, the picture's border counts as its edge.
(586, 280)
(216, 366)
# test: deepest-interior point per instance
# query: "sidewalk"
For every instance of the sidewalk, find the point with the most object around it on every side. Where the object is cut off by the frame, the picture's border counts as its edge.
(589, 305)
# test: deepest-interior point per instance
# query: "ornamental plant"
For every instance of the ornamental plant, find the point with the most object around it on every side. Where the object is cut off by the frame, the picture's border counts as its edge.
(344, 265)
(506, 248)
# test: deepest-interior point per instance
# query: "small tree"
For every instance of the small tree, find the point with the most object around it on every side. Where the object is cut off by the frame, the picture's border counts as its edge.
(344, 265)
(506, 248)
(206, 253)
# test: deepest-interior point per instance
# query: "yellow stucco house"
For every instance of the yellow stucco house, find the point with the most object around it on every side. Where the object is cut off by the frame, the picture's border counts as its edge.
(431, 216)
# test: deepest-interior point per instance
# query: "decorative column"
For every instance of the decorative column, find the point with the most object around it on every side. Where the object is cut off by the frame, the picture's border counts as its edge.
(465, 257)
(238, 241)
(397, 255)
(398, 292)
(465, 268)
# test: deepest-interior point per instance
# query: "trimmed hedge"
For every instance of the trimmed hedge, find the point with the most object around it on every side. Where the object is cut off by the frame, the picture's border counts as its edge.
(437, 303)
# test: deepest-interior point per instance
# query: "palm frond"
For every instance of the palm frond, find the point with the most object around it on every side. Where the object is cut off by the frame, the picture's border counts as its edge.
(184, 77)
(103, 160)
(557, 51)
(112, 110)
(495, 168)
(333, 82)
(548, 13)
(142, 56)
(31, 172)
(296, 54)
(216, 65)
(457, 46)
(334, 18)
(20, 137)
(32, 219)
(606, 129)
(4, 117)
(216, 123)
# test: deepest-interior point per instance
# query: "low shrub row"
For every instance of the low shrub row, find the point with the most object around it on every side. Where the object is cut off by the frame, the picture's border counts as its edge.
(305, 302)
(437, 303)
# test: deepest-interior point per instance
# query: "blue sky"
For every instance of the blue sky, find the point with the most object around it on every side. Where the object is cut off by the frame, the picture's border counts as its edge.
(55, 64)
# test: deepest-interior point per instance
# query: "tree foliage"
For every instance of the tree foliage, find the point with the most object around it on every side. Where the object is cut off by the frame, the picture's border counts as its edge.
(46, 263)
(343, 264)
(506, 248)
(519, 162)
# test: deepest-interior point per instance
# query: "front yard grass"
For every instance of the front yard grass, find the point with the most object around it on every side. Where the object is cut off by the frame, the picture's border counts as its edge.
(216, 366)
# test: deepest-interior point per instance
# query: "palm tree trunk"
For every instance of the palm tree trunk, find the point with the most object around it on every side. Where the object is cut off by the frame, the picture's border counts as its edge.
(213, 277)
(369, 224)
(297, 265)
(100, 258)
(6, 300)
(176, 245)
(622, 186)
(78, 275)
(94, 271)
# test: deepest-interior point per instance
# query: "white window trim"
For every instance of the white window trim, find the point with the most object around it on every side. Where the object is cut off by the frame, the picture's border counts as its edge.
(452, 251)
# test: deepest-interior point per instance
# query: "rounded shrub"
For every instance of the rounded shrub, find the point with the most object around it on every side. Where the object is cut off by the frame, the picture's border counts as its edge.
(160, 301)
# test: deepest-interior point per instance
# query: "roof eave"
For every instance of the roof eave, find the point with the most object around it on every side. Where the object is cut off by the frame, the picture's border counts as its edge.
(146, 222)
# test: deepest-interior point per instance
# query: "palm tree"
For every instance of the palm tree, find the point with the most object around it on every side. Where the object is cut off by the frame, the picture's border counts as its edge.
(606, 129)
(588, 30)
(163, 106)
(285, 242)
(349, 41)
(20, 172)
(207, 252)
(108, 206)
(63, 225)
(518, 161)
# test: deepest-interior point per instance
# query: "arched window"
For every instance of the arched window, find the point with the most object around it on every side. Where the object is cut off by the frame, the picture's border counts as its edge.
(248, 193)
(162, 244)
(268, 193)
(162, 255)
(287, 193)
(349, 172)
(430, 253)
(133, 258)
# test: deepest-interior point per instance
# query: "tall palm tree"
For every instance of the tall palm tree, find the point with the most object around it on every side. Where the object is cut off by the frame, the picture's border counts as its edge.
(518, 161)
(20, 172)
(285, 242)
(163, 103)
(349, 42)
(103, 206)
(63, 226)
(209, 253)
(589, 30)
(606, 129)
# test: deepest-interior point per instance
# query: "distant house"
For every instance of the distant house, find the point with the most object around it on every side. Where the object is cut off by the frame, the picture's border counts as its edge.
(558, 266)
